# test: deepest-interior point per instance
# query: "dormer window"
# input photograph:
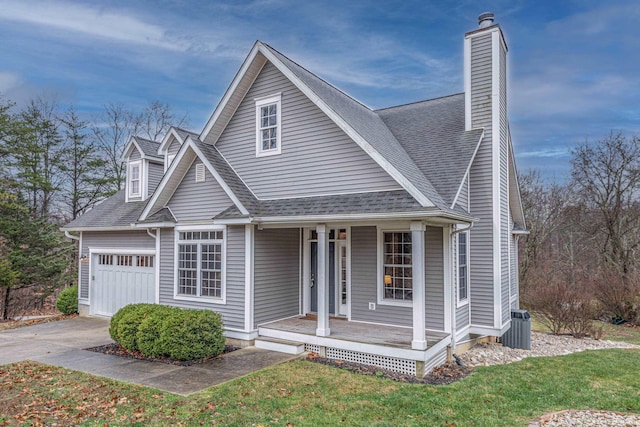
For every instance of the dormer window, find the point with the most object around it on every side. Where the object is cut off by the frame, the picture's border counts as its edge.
(135, 179)
(268, 124)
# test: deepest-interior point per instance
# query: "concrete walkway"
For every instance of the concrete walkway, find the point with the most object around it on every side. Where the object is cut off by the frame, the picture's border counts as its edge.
(61, 344)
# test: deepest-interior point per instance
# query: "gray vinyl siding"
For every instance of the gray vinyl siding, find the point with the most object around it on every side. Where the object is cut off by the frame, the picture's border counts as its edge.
(434, 278)
(198, 200)
(504, 190)
(364, 256)
(317, 157)
(174, 147)
(463, 197)
(156, 170)
(481, 287)
(135, 155)
(233, 311)
(134, 239)
(276, 274)
(462, 317)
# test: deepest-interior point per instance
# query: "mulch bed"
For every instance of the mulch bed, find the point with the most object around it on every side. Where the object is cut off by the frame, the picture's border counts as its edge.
(116, 349)
(445, 374)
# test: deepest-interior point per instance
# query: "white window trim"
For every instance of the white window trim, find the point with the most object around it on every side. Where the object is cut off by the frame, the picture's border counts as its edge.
(380, 262)
(130, 193)
(261, 102)
(459, 302)
(201, 299)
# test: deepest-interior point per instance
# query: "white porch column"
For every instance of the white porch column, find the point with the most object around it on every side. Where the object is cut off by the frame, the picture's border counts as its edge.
(417, 242)
(322, 281)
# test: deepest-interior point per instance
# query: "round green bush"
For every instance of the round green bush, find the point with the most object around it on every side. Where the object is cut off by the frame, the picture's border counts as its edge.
(115, 319)
(192, 334)
(148, 336)
(67, 302)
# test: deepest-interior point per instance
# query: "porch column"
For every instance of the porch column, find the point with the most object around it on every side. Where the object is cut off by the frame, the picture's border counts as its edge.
(417, 242)
(322, 281)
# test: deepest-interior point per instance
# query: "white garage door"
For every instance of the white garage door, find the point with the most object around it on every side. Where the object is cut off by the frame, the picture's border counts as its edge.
(120, 279)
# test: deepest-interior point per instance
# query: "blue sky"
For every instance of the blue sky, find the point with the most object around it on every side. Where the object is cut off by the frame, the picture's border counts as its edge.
(573, 65)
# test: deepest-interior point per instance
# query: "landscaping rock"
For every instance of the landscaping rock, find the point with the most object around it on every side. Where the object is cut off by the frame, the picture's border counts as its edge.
(587, 418)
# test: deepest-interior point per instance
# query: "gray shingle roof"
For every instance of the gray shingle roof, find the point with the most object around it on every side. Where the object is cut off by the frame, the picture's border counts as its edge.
(163, 215)
(185, 133)
(112, 212)
(433, 134)
(367, 124)
(344, 204)
(148, 147)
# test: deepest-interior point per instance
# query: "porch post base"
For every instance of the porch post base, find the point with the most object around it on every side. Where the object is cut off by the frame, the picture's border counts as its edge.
(419, 345)
(323, 332)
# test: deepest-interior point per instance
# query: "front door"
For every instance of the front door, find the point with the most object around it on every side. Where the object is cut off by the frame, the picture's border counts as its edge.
(337, 272)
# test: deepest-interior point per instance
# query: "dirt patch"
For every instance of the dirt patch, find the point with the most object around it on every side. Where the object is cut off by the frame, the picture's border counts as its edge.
(115, 349)
(13, 324)
(445, 374)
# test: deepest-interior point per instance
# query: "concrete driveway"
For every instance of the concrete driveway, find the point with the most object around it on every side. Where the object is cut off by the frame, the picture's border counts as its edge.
(62, 343)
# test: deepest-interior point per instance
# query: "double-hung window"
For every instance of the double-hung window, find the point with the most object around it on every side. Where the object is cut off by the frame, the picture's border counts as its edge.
(135, 179)
(268, 125)
(397, 267)
(463, 266)
(200, 256)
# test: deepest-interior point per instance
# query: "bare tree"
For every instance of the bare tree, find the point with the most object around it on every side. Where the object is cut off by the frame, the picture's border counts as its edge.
(112, 130)
(157, 118)
(606, 176)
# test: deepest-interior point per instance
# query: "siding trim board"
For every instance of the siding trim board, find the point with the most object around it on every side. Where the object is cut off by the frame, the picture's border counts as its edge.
(496, 187)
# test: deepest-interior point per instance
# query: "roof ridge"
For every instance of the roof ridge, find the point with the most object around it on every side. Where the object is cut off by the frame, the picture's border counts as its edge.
(318, 77)
(185, 130)
(147, 139)
(419, 102)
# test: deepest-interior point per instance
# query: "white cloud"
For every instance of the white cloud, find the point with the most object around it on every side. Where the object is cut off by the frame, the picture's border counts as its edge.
(89, 20)
(8, 81)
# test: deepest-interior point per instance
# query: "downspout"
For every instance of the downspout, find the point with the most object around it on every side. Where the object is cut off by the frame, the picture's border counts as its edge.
(150, 234)
(453, 295)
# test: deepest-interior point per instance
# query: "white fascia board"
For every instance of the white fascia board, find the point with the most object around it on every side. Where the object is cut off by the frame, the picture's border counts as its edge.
(346, 128)
(217, 176)
(230, 90)
(466, 173)
(513, 175)
(164, 145)
(155, 225)
(233, 221)
(115, 228)
(127, 149)
(163, 183)
(120, 251)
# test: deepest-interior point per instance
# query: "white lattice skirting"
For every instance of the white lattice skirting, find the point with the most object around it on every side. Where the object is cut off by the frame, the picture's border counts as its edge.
(394, 364)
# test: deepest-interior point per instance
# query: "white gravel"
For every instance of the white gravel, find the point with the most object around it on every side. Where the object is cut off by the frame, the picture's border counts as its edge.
(553, 345)
(541, 345)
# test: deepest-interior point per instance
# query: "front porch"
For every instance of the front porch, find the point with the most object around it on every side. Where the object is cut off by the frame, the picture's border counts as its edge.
(373, 344)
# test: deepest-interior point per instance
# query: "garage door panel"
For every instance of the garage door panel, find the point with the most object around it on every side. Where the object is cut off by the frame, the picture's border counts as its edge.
(118, 285)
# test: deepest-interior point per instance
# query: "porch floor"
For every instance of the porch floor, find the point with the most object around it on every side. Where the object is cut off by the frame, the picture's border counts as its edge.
(366, 333)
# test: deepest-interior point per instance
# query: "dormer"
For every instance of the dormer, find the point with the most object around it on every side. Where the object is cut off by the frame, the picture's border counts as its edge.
(144, 168)
(172, 142)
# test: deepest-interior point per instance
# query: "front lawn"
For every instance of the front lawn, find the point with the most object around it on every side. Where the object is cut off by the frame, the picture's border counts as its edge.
(627, 332)
(304, 393)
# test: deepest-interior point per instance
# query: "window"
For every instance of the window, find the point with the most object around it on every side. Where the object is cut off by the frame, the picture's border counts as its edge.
(397, 271)
(135, 179)
(200, 272)
(268, 125)
(463, 267)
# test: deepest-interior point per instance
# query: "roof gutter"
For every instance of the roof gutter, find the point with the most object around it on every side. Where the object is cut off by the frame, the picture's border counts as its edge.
(69, 235)
(114, 228)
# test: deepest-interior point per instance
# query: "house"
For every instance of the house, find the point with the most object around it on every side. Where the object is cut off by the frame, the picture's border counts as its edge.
(312, 222)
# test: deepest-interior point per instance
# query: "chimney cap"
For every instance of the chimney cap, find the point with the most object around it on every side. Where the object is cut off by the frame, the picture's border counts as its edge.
(485, 19)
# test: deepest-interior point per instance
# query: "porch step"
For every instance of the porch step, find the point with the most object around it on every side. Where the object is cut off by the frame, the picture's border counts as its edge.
(282, 346)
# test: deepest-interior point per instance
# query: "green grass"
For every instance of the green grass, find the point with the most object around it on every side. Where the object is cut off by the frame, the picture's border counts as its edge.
(303, 393)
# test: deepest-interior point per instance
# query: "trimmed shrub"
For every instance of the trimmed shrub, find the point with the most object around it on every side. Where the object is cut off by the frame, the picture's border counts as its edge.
(192, 334)
(149, 342)
(67, 302)
(130, 323)
(115, 319)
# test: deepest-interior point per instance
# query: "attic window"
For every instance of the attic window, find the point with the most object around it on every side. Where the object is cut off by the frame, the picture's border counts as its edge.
(200, 172)
(268, 124)
(135, 179)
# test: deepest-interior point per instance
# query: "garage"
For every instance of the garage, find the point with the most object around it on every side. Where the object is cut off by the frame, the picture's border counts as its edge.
(119, 279)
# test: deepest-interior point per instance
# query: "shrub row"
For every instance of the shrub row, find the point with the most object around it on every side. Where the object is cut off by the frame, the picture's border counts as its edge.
(162, 331)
